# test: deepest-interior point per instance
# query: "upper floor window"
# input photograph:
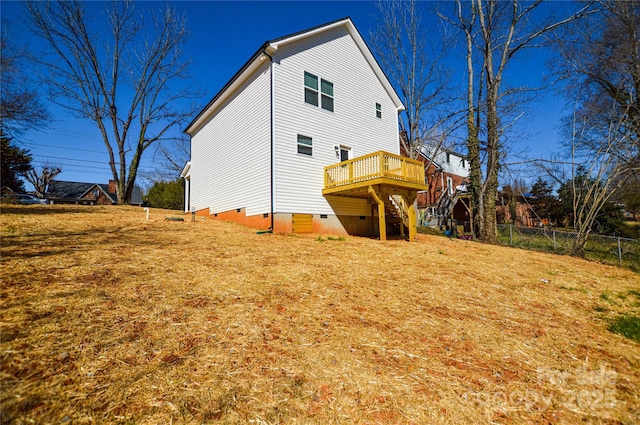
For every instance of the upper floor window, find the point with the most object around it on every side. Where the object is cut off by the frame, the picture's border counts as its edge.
(311, 93)
(311, 89)
(448, 158)
(463, 163)
(378, 110)
(305, 145)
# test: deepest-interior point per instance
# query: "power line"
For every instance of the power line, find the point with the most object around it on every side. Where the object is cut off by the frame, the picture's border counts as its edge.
(43, 162)
(76, 165)
(65, 147)
(69, 159)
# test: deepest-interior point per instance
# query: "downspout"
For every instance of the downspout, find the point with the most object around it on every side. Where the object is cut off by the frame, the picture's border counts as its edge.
(271, 123)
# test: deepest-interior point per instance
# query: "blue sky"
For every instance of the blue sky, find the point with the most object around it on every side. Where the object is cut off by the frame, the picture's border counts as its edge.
(224, 36)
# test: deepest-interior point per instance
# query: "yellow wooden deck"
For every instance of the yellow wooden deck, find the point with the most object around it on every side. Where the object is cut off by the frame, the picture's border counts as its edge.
(378, 175)
(353, 177)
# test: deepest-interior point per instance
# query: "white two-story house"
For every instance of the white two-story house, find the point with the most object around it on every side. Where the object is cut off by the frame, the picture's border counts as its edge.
(303, 138)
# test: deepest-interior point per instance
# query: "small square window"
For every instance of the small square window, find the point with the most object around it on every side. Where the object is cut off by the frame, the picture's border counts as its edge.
(378, 110)
(305, 145)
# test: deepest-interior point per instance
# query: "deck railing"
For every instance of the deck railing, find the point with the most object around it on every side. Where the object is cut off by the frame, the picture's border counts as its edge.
(373, 166)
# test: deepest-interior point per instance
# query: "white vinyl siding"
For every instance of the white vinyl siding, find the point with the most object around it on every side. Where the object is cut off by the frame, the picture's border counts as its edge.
(231, 153)
(335, 57)
(449, 161)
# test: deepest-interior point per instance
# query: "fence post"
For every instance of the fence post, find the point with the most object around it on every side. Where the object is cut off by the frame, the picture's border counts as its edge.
(554, 240)
(510, 235)
(619, 251)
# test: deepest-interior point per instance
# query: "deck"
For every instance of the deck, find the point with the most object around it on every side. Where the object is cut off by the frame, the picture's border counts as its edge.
(382, 176)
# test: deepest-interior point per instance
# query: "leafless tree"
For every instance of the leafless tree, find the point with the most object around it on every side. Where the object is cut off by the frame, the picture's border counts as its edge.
(598, 175)
(41, 178)
(494, 33)
(415, 64)
(601, 64)
(128, 78)
(20, 105)
(171, 158)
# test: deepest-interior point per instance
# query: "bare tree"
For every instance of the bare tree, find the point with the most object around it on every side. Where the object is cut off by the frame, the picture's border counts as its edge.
(598, 175)
(416, 66)
(127, 78)
(602, 65)
(20, 105)
(601, 62)
(495, 32)
(170, 159)
(41, 178)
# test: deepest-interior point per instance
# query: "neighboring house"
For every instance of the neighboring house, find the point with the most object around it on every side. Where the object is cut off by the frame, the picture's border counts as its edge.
(304, 139)
(447, 173)
(63, 192)
(515, 209)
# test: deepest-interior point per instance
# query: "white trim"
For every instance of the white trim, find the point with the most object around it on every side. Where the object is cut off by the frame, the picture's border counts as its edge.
(186, 171)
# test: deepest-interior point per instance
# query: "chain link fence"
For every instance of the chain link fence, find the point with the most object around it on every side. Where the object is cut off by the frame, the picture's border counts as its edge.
(618, 251)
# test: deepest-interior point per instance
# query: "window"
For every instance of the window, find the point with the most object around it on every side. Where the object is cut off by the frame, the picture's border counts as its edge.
(305, 145)
(463, 163)
(448, 158)
(378, 110)
(311, 91)
(450, 185)
(327, 95)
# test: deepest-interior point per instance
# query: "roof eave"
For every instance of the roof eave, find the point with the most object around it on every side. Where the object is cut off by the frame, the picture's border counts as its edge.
(236, 81)
(270, 47)
(185, 170)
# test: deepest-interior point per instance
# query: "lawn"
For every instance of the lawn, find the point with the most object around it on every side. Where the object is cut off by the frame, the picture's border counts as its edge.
(109, 318)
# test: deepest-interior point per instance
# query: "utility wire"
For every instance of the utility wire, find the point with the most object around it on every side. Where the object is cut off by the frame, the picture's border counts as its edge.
(65, 147)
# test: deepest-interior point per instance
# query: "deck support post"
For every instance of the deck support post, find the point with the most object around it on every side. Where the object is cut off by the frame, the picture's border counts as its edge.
(409, 199)
(382, 223)
(411, 212)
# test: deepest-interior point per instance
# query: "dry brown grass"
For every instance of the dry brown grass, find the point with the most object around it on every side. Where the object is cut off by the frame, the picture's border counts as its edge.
(108, 318)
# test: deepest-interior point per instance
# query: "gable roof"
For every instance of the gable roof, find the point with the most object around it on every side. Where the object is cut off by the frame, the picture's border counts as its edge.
(76, 190)
(270, 47)
(427, 152)
(70, 190)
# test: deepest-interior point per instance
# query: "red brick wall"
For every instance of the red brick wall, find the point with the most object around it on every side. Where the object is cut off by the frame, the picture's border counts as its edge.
(437, 181)
(102, 198)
